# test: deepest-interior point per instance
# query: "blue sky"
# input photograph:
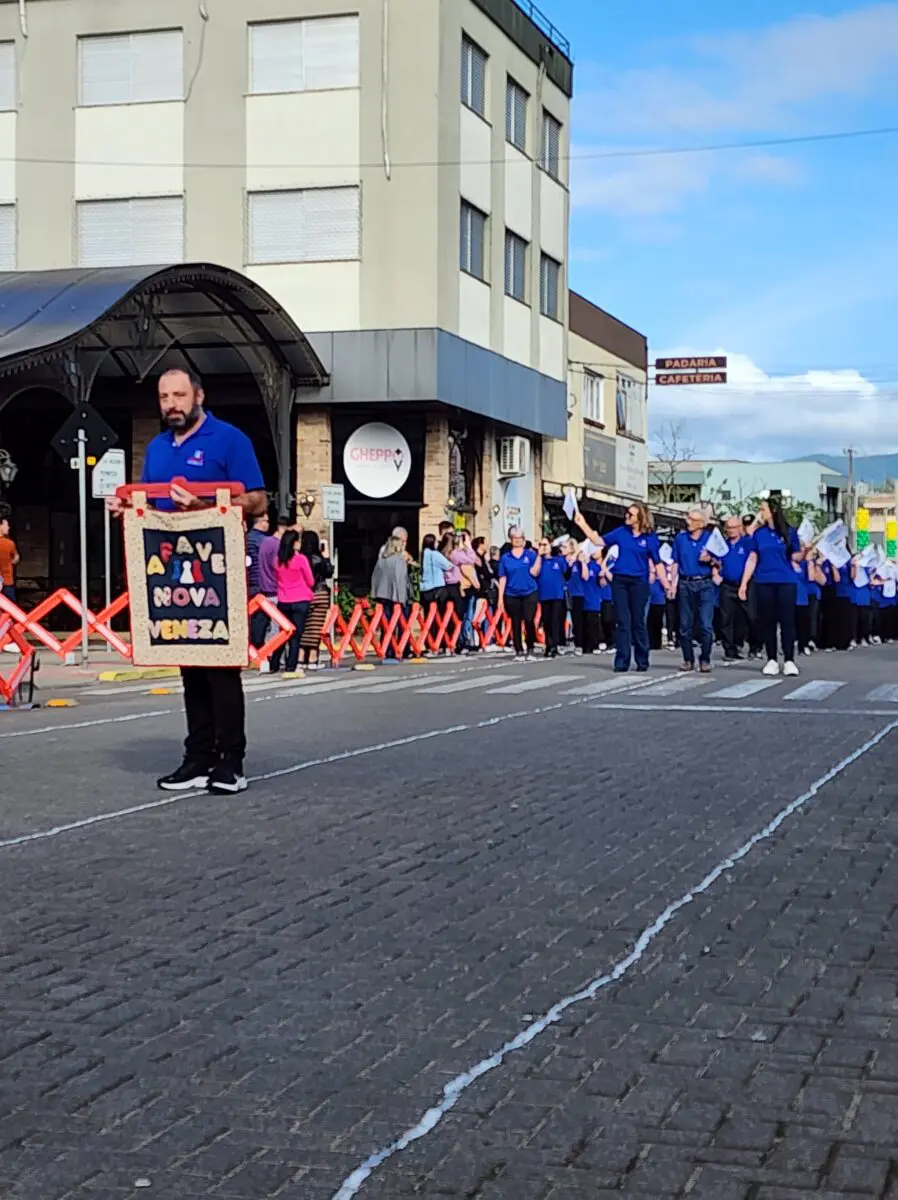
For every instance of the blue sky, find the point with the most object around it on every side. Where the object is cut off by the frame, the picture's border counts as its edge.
(785, 257)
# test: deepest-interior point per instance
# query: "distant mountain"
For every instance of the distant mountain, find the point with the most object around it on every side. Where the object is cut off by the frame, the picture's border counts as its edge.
(872, 468)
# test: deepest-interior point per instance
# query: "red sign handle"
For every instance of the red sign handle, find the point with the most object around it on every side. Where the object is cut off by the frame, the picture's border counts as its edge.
(161, 491)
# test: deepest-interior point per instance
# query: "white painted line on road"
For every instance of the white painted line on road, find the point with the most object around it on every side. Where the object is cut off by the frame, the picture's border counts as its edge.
(749, 687)
(141, 716)
(681, 683)
(888, 693)
(397, 685)
(792, 711)
(618, 684)
(455, 1087)
(531, 685)
(816, 690)
(465, 685)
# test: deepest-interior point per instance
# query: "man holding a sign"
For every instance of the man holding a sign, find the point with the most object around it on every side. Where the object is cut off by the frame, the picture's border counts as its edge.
(198, 449)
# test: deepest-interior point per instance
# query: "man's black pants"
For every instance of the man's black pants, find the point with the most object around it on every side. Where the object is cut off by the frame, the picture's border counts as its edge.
(216, 715)
(733, 620)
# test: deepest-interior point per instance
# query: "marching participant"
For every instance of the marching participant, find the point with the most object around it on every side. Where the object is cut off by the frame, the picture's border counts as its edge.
(519, 570)
(774, 548)
(695, 589)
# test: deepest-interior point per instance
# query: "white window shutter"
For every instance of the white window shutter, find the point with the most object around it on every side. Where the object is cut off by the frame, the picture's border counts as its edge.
(275, 57)
(330, 52)
(8, 91)
(314, 225)
(120, 233)
(157, 65)
(131, 68)
(104, 70)
(7, 237)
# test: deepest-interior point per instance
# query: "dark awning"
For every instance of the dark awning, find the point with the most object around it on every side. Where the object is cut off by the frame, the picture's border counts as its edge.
(123, 320)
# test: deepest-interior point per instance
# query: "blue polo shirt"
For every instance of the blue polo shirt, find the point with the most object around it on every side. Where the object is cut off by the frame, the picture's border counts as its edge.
(214, 452)
(658, 595)
(774, 555)
(516, 573)
(575, 584)
(635, 551)
(592, 601)
(550, 582)
(686, 551)
(801, 581)
(732, 565)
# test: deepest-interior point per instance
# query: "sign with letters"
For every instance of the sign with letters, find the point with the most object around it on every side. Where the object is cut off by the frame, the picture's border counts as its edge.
(711, 368)
(333, 502)
(187, 584)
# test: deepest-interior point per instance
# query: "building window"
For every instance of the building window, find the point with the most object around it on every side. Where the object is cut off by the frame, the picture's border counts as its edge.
(627, 398)
(121, 233)
(7, 237)
(314, 55)
(550, 145)
(313, 225)
(515, 267)
(473, 76)
(8, 97)
(516, 115)
(549, 275)
(472, 250)
(131, 68)
(592, 397)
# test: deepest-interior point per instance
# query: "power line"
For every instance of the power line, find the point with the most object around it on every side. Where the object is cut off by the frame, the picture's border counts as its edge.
(585, 156)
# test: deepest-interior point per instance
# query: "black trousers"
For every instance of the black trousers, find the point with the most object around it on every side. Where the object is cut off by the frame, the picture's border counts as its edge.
(672, 621)
(522, 612)
(803, 626)
(656, 625)
(592, 633)
(216, 715)
(776, 610)
(296, 613)
(553, 613)
(733, 620)
(843, 622)
(578, 620)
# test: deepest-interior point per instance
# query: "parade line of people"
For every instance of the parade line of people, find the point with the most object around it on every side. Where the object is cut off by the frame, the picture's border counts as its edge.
(757, 590)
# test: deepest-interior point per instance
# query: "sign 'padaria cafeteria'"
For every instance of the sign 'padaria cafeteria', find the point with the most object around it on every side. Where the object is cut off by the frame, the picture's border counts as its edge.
(707, 369)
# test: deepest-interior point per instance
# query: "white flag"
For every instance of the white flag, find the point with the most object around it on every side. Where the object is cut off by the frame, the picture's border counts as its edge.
(716, 545)
(613, 552)
(806, 531)
(666, 554)
(570, 504)
(861, 578)
(867, 557)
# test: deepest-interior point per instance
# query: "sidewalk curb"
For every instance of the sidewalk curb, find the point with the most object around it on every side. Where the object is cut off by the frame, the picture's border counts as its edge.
(135, 674)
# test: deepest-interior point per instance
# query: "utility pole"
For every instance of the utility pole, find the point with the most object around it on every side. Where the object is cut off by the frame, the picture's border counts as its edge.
(851, 513)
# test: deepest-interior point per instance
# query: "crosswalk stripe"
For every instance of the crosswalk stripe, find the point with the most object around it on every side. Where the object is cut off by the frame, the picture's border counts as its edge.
(888, 692)
(465, 685)
(672, 686)
(395, 685)
(816, 690)
(604, 685)
(531, 685)
(739, 691)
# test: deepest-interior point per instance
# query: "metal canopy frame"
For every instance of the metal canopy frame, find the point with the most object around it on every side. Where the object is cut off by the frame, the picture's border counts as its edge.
(85, 324)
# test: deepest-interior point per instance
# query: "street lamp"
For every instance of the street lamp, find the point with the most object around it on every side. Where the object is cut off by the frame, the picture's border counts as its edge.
(8, 469)
(306, 504)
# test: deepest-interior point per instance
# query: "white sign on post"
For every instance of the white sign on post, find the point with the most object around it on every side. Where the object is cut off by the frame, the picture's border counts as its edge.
(108, 475)
(333, 502)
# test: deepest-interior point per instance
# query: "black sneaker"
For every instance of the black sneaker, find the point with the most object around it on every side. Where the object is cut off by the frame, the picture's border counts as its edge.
(227, 777)
(189, 775)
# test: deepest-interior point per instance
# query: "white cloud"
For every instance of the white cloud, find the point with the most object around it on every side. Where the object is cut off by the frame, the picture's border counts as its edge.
(758, 416)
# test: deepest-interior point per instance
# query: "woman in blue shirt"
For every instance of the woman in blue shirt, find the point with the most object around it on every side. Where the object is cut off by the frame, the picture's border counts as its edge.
(550, 589)
(519, 569)
(434, 567)
(861, 600)
(638, 547)
(774, 548)
(576, 594)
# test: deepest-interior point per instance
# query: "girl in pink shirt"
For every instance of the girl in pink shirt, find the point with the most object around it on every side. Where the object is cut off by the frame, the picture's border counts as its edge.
(296, 588)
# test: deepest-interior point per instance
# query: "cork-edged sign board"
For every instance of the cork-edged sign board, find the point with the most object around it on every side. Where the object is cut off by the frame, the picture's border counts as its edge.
(691, 378)
(714, 362)
(187, 585)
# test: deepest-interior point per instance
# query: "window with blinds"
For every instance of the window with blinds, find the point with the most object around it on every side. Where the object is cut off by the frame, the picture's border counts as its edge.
(473, 76)
(550, 146)
(121, 233)
(8, 96)
(312, 225)
(312, 55)
(549, 275)
(131, 68)
(472, 248)
(515, 267)
(592, 397)
(7, 237)
(516, 115)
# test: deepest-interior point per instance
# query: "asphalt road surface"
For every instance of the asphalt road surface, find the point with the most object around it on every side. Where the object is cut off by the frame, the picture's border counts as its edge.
(478, 930)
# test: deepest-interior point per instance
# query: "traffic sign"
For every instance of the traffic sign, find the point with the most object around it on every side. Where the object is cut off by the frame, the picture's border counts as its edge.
(691, 377)
(108, 475)
(333, 502)
(100, 436)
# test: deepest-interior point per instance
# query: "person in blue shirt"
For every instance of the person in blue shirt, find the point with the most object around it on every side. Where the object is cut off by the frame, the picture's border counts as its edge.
(199, 448)
(774, 549)
(657, 606)
(550, 589)
(519, 569)
(861, 601)
(576, 595)
(695, 589)
(638, 547)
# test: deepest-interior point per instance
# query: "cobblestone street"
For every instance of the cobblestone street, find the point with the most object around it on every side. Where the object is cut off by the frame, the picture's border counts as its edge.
(250, 998)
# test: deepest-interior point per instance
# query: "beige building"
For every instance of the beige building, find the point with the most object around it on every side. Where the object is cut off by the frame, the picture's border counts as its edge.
(604, 455)
(393, 173)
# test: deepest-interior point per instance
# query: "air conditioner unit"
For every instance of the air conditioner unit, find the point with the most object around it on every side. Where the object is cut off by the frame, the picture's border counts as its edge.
(514, 456)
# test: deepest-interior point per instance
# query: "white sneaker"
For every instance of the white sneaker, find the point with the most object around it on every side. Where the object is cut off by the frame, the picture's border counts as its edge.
(790, 668)
(530, 658)
(578, 653)
(603, 646)
(772, 668)
(807, 651)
